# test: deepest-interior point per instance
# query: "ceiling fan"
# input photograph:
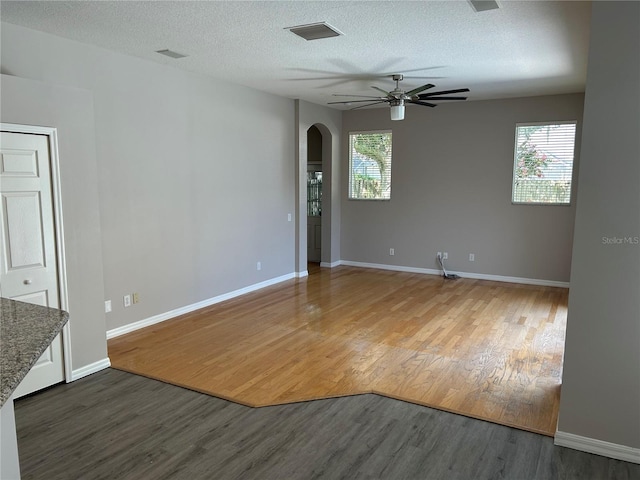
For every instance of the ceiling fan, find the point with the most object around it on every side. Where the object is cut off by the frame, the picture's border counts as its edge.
(397, 98)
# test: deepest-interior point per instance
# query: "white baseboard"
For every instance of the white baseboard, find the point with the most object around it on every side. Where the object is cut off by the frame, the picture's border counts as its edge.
(599, 447)
(523, 280)
(304, 273)
(396, 268)
(477, 276)
(89, 369)
(331, 264)
(116, 332)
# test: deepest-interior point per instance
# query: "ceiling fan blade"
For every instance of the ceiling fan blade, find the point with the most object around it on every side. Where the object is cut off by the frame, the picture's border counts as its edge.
(411, 77)
(418, 102)
(362, 106)
(419, 89)
(359, 96)
(433, 99)
(443, 92)
(380, 90)
(355, 101)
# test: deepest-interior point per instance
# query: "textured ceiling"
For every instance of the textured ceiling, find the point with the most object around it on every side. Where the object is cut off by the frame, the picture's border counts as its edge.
(522, 49)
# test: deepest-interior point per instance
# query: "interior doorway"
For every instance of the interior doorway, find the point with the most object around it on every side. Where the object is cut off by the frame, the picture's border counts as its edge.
(29, 271)
(314, 195)
(322, 149)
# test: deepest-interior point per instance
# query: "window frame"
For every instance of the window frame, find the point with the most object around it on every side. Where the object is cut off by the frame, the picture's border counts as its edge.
(515, 161)
(350, 166)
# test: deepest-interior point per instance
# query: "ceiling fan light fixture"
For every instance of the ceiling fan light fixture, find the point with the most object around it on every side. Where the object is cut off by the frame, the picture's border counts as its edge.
(397, 110)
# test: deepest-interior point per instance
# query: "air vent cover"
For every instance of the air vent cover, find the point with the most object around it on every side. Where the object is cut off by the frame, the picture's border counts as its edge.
(315, 31)
(483, 5)
(171, 53)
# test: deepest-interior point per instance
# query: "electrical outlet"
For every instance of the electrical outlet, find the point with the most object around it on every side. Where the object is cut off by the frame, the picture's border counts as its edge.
(445, 255)
(259, 266)
(127, 300)
(288, 217)
(107, 306)
(392, 251)
(472, 257)
(439, 255)
(136, 297)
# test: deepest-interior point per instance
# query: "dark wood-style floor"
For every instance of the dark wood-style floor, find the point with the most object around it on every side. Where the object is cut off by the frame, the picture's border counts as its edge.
(116, 425)
(489, 350)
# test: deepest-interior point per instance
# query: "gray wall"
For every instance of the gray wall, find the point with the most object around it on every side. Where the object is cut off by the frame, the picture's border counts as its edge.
(70, 110)
(451, 191)
(601, 379)
(193, 190)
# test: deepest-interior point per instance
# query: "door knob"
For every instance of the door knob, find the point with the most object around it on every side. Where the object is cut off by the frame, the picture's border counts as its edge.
(27, 281)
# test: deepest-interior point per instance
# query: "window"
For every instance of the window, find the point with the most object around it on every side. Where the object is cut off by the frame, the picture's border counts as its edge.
(543, 165)
(370, 166)
(314, 194)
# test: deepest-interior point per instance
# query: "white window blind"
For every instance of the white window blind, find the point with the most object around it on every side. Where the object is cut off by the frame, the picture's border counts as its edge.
(543, 166)
(370, 165)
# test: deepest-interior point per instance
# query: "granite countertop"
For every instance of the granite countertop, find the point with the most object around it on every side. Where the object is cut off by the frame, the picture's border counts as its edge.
(26, 331)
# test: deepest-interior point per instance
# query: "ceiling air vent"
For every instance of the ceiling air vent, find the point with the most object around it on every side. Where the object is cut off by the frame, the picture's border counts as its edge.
(171, 53)
(483, 5)
(315, 31)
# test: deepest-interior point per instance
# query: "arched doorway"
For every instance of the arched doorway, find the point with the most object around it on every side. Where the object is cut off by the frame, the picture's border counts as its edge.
(325, 146)
(314, 197)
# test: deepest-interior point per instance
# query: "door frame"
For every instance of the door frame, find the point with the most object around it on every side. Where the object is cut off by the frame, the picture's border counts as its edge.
(56, 193)
(329, 204)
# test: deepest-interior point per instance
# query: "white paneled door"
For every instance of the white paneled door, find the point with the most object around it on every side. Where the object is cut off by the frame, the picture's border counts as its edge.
(29, 269)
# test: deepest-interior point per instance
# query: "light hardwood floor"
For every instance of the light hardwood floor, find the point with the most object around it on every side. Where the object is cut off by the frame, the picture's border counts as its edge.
(488, 350)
